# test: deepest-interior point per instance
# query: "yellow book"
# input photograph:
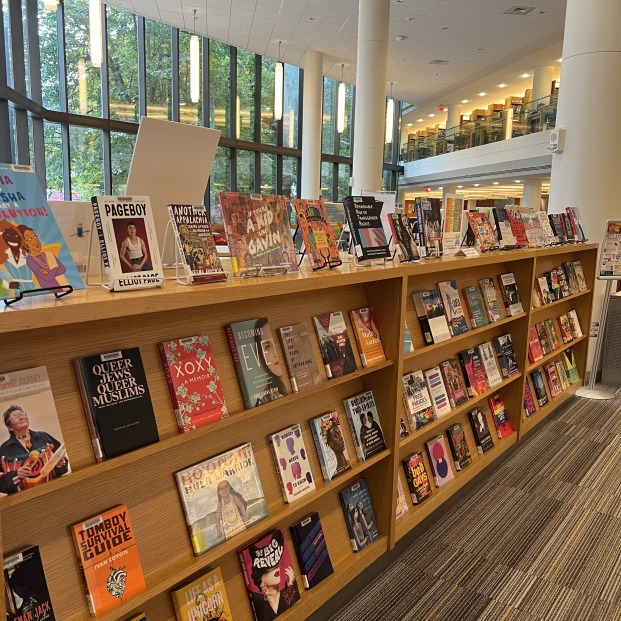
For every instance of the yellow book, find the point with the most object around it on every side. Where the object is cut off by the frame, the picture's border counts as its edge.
(204, 598)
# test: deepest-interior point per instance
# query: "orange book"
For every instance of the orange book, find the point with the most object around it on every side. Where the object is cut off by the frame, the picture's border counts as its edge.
(109, 560)
(367, 336)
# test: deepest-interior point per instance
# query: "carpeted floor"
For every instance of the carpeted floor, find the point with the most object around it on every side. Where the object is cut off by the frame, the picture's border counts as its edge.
(539, 539)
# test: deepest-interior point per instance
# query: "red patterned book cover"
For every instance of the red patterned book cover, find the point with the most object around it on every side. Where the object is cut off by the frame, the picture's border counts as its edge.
(535, 352)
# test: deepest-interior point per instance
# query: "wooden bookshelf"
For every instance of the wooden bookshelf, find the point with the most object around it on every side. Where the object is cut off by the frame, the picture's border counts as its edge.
(44, 331)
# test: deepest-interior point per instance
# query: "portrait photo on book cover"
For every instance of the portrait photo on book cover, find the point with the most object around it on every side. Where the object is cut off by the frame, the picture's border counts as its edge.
(132, 244)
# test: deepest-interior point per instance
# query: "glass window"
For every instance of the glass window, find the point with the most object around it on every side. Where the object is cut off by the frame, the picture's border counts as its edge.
(245, 95)
(245, 171)
(345, 139)
(219, 181)
(159, 69)
(48, 45)
(291, 107)
(53, 161)
(219, 86)
(26, 52)
(122, 64)
(327, 180)
(290, 176)
(329, 112)
(87, 177)
(7, 42)
(121, 151)
(268, 125)
(268, 173)
(189, 111)
(344, 174)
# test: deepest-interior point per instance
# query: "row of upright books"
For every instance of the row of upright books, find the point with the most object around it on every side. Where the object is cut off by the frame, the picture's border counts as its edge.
(558, 283)
(543, 338)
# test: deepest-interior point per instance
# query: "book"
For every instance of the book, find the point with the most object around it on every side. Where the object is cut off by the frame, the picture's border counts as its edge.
(402, 504)
(562, 375)
(202, 598)
(452, 307)
(576, 222)
(437, 392)
(542, 335)
(291, 459)
(417, 478)
(258, 232)
(459, 446)
(108, 559)
(580, 278)
(25, 589)
(492, 373)
(480, 429)
(311, 550)
(539, 387)
(403, 430)
(438, 457)
(529, 401)
(194, 239)
(221, 496)
(476, 309)
(365, 225)
(510, 294)
(451, 232)
(364, 425)
(557, 227)
(514, 215)
(569, 362)
(301, 365)
(553, 284)
(572, 280)
(317, 232)
(417, 400)
(29, 412)
(408, 346)
(430, 313)
(554, 382)
(116, 400)
(499, 416)
(258, 368)
(474, 371)
(562, 282)
(490, 300)
(403, 238)
(550, 238)
(506, 238)
(551, 334)
(483, 231)
(546, 296)
(193, 382)
(506, 355)
(431, 224)
(569, 232)
(334, 344)
(535, 353)
(367, 336)
(534, 232)
(269, 575)
(565, 327)
(574, 324)
(330, 445)
(454, 382)
(34, 255)
(128, 242)
(359, 515)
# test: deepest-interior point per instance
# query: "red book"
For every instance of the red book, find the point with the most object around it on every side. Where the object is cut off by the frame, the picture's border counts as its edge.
(501, 422)
(474, 372)
(554, 382)
(193, 382)
(535, 352)
(517, 226)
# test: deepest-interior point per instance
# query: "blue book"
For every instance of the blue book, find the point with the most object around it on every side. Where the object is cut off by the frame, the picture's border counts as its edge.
(311, 550)
(359, 515)
(452, 307)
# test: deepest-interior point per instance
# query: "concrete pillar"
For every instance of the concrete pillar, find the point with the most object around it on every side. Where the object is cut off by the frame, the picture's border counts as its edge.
(453, 118)
(311, 125)
(370, 112)
(542, 82)
(531, 196)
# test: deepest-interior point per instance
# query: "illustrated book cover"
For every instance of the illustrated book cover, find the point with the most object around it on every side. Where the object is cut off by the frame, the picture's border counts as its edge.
(367, 336)
(452, 307)
(562, 375)
(580, 277)
(554, 382)
(542, 334)
(483, 231)
(506, 239)
(534, 231)
(368, 236)
(431, 316)
(454, 382)
(33, 449)
(364, 424)
(499, 414)
(417, 478)
(490, 299)
(193, 382)
(311, 550)
(401, 507)
(202, 598)
(510, 294)
(476, 309)
(535, 352)
(503, 345)
(109, 559)
(317, 232)
(490, 367)
(552, 335)
(431, 211)
(334, 344)
(438, 457)
(480, 429)
(536, 377)
(330, 445)
(116, 402)
(437, 392)
(301, 365)
(569, 362)
(529, 401)
(459, 446)
(359, 515)
(565, 327)
(403, 238)
(473, 371)
(574, 324)
(408, 346)
(514, 215)
(221, 497)
(417, 400)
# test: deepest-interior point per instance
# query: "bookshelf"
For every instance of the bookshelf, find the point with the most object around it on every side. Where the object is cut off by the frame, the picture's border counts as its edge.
(53, 333)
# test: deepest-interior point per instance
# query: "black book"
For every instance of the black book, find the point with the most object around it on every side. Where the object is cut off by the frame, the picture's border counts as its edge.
(480, 429)
(459, 446)
(557, 227)
(539, 386)
(432, 225)
(116, 401)
(311, 550)
(569, 232)
(369, 239)
(506, 355)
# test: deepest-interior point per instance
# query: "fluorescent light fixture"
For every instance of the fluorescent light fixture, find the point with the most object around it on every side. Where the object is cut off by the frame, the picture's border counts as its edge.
(518, 181)
(390, 119)
(195, 70)
(476, 185)
(278, 90)
(94, 25)
(441, 188)
(460, 186)
(340, 109)
(50, 5)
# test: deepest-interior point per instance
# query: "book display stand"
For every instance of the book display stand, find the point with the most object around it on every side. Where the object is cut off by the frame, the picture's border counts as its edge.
(59, 291)
(326, 258)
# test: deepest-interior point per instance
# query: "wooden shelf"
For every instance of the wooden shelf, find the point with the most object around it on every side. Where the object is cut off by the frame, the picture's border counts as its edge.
(539, 309)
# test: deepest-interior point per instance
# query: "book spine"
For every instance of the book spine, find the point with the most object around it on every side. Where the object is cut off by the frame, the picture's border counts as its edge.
(354, 435)
(100, 233)
(88, 413)
(238, 368)
(320, 455)
(171, 388)
(242, 562)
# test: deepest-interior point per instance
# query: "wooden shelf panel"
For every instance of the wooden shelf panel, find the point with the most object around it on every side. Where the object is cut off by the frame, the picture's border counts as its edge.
(536, 311)
(557, 352)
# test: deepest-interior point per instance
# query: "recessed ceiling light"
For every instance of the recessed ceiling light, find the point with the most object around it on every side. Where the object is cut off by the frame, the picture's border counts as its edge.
(419, 120)
(482, 94)
(525, 75)
(431, 116)
(502, 85)
(441, 188)
(312, 19)
(560, 60)
(445, 28)
(481, 49)
(410, 124)
(495, 182)
(460, 186)
(518, 181)
(465, 101)
(476, 185)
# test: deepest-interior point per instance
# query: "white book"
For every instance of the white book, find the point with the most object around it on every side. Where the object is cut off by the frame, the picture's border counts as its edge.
(574, 324)
(551, 238)
(416, 400)
(489, 364)
(437, 391)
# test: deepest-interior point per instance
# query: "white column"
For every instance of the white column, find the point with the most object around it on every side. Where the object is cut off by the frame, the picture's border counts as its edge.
(453, 118)
(370, 111)
(542, 82)
(531, 195)
(311, 125)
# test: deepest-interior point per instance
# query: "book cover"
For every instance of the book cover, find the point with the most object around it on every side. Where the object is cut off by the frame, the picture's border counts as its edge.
(195, 243)
(553, 284)
(548, 234)
(576, 220)
(33, 251)
(557, 227)
(258, 232)
(408, 346)
(483, 231)
(545, 294)
(334, 344)
(270, 579)
(569, 362)
(33, 449)
(367, 336)
(499, 416)
(580, 278)
(480, 429)
(459, 446)
(417, 478)
(128, 242)
(490, 299)
(565, 327)
(330, 445)
(221, 497)
(506, 355)
(474, 371)
(417, 400)
(529, 401)
(364, 423)
(476, 309)
(311, 550)
(451, 234)
(492, 373)
(506, 239)
(510, 294)
(403, 430)
(454, 381)
(539, 386)
(514, 216)
(551, 334)
(569, 233)
(534, 232)
(562, 281)
(554, 383)
(317, 232)
(535, 353)
(562, 375)
(574, 324)
(359, 515)
(419, 229)
(572, 280)
(203, 598)
(452, 307)
(542, 334)
(432, 226)
(401, 507)
(109, 560)
(116, 401)
(291, 459)
(437, 392)
(434, 309)
(27, 597)
(408, 251)
(193, 382)
(369, 239)
(438, 457)
(257, 365)
(301, 365)
(423, 320)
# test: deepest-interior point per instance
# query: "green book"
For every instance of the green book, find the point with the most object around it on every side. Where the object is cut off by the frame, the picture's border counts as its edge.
(569, 362)
(474, 304)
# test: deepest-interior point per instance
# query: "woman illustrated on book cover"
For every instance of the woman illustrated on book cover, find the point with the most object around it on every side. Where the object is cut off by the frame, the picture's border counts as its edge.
(14, 259)
(231, 515)
(361, 536)
(47, 270)
(133, 252)
(273, 387)
(333, 438)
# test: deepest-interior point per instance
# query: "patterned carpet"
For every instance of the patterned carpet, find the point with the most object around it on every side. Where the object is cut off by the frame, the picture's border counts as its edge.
(539, 539)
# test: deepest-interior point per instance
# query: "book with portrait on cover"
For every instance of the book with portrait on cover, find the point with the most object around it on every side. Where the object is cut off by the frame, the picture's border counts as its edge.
(364, 424)
(202, 598)
(330, 445)
(334, 344)
(317, 233)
